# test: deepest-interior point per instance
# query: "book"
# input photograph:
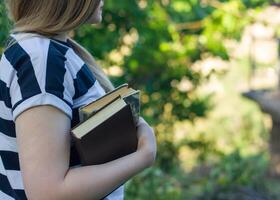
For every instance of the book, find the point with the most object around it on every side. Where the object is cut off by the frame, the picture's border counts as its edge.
(128, 94)
(107, 134)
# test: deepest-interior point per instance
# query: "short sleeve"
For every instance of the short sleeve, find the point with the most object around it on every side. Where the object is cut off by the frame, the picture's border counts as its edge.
(40, 78)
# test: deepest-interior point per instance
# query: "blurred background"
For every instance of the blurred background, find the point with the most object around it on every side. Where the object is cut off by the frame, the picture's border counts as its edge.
(209, 75)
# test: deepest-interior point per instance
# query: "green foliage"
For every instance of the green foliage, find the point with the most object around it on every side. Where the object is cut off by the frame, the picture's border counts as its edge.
(155, 184)
(234, 169)
(162, 40)
(170, 37)
(4, 24)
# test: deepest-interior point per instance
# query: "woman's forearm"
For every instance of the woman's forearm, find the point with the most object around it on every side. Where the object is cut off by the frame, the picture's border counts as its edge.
(96, 181)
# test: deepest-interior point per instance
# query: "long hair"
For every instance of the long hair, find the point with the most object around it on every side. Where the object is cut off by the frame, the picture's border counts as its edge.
(50, 18)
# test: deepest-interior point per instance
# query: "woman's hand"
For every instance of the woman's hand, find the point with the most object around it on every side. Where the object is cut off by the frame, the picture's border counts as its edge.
(146, 141)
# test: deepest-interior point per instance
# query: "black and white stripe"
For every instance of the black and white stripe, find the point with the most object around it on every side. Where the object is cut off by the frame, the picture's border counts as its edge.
(26, 78)
(39, 71)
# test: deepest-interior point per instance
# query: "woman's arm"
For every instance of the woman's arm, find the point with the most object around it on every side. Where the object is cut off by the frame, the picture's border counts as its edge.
(44, 151)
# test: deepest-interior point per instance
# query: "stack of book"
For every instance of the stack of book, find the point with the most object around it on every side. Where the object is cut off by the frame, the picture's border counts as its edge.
(107, 128)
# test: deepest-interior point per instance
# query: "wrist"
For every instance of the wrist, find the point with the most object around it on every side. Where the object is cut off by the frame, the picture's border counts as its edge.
(146, 157)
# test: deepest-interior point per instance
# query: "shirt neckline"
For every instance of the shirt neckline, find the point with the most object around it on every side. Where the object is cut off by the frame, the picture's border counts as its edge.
(66, 43)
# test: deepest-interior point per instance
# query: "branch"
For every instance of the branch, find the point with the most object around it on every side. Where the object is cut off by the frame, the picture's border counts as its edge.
(189, 25)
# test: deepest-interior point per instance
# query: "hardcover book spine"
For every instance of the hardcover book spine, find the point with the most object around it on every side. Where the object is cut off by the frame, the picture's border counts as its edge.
(78, 145)
(134, 102)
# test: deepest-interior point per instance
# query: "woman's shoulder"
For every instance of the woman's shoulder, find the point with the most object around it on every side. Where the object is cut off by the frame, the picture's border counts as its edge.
(44, 57)
(35, 44)
(40, 50)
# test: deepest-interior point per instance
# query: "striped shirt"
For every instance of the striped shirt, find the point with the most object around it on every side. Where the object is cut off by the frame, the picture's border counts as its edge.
(40, 71)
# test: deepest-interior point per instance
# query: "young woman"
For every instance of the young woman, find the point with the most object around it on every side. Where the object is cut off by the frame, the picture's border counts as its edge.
(44, 78)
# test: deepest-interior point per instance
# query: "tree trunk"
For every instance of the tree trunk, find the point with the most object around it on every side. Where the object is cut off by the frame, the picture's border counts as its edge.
(269, 102)
(274, 147)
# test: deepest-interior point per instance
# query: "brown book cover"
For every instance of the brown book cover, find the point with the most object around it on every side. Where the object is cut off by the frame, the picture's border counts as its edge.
(112, 139)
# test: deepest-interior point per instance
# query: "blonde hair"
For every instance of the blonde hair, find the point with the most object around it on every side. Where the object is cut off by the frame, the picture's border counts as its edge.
(51, 18)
